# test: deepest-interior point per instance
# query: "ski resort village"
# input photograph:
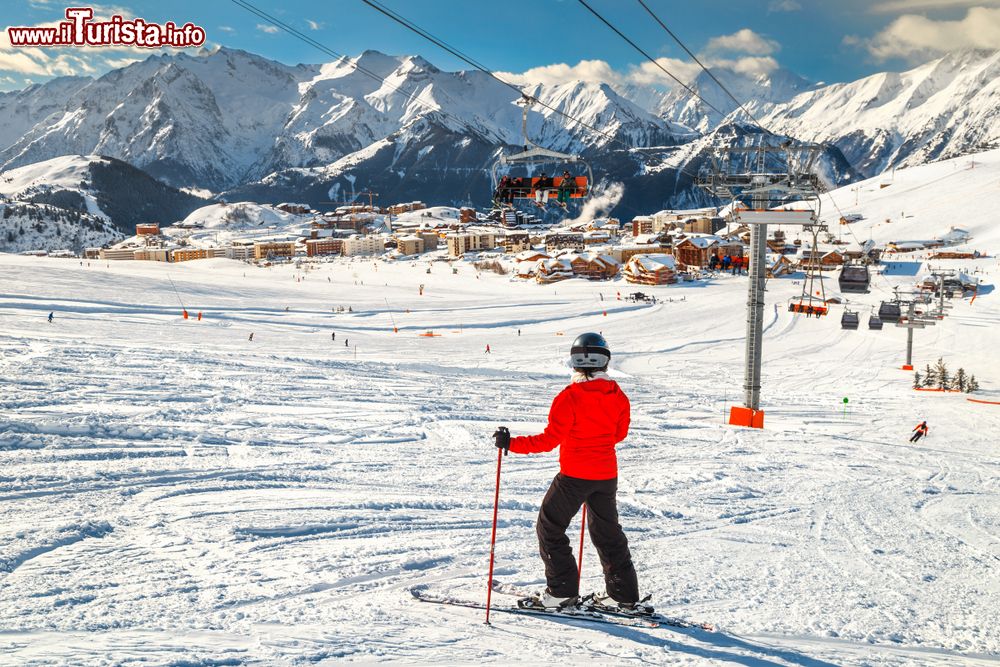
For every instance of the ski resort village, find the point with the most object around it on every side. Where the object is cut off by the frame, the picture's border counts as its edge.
(670, 336)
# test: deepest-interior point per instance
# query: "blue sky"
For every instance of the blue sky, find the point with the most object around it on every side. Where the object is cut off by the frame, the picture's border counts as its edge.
(821, 40)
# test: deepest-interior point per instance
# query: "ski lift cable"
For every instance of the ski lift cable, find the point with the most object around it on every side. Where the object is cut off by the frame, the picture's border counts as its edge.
(409, 25)
(378, 6)
(648, 57)
(411, 96)
(702, 65)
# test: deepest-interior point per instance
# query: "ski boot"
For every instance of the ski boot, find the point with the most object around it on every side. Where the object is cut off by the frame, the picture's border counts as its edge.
(545, 600)
(604, 602)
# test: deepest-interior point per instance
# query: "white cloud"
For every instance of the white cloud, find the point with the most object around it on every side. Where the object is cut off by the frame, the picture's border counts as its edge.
(648, 74)
(593, 71)
(896, 6)
(226, 28)
(743, 41)
(269, 29)
(644, 74)
(784, 6)
(914, 37)
(315, 25)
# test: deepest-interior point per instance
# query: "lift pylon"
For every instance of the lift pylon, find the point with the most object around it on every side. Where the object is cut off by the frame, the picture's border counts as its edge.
(762, 178)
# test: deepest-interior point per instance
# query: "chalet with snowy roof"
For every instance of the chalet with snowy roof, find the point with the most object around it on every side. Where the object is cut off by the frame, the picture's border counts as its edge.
(530, 256)
(623, 253)
(696, 251)
(553, 270)
(820, 259)
(594, 266)
(650, 270)
(778, 265)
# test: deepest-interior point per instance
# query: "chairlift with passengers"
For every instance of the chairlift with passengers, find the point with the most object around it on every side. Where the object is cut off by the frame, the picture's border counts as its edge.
(534, 158)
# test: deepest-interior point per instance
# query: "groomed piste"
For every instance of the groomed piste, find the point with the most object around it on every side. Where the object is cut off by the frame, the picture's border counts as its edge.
(171, 492)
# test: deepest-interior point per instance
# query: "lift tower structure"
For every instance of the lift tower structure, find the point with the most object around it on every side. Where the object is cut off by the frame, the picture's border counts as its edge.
(761, 181)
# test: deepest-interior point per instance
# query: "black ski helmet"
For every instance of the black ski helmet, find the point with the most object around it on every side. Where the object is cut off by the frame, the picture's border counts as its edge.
(589, 350)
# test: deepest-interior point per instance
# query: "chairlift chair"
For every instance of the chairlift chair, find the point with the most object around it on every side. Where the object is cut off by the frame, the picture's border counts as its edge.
(849, 320)
(534, 156)
(812, 302)
(854, 278)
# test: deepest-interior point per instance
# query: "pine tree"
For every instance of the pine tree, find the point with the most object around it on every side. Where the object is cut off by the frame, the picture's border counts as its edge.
(916, 380)
(930, 378)
(973, 385)
(941, 371)
(961, 381)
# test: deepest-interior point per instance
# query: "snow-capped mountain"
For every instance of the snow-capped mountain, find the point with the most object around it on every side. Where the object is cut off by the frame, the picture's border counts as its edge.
(946, 108)
(83, 200)
(227, 118)
(233, 122)
(752, 90)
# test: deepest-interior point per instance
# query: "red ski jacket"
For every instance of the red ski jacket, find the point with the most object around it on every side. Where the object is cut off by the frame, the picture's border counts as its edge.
(586, 421)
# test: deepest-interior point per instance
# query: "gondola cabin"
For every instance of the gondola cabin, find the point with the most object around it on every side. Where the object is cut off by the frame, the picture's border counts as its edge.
(874, 323)
(854, 279)
(849, 320)
(889, 311)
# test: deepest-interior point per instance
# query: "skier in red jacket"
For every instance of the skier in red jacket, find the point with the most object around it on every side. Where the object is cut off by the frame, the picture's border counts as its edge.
(587, 419)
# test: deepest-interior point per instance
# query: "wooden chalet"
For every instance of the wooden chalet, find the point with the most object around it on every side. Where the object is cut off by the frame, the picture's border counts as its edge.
(650, 270)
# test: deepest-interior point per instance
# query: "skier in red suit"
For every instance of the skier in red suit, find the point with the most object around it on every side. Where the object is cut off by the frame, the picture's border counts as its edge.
(587, 419)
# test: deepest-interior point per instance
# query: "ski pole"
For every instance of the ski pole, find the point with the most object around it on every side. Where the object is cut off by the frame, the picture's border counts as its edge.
(493, 540)
(583, 528)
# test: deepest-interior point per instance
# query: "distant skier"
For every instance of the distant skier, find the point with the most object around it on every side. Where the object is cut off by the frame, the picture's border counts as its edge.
(51, 315)
(345, 343)
(487, 348)
(251, 337)
(587, 419)
(333, 335)
(919, 432)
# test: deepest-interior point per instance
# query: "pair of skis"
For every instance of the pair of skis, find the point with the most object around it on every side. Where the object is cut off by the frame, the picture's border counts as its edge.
(591, 609)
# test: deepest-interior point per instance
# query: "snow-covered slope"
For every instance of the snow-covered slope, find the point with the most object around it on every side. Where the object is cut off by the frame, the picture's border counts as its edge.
(945, 108)
(68, 173)
(100, 187)
(174, 493)
(923, 202)
(26, 226)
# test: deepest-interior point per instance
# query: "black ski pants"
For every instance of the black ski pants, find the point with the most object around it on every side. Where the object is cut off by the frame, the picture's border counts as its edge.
(562, 501)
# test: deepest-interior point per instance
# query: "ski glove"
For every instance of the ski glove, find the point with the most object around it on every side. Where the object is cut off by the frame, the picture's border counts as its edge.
(501, 438)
